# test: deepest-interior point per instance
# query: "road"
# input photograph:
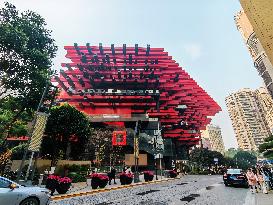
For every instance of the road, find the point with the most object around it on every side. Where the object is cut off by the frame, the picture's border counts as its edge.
(205, 190)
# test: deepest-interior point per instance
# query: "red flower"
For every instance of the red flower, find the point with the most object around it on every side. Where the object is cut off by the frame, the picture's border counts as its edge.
(53, 177)
(65, 180)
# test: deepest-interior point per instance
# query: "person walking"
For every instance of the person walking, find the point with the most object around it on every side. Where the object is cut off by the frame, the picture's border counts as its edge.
(252, 180)
(260, 180)
(266, 180)
(112, 175)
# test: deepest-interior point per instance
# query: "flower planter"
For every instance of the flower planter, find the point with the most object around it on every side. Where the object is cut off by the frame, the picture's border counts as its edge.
(63, 185)
(148, 176)
(94, 183)
(122, 178)
(98, 180)
(173, 174)
(62, 188)
(103, 183)
(126, 178)
(129, 180)
(52, 183)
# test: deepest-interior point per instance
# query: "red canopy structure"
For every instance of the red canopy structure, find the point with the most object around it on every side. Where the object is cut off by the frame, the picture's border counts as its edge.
(135, 83)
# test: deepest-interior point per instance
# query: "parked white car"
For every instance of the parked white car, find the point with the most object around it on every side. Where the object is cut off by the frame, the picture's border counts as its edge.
(12, 193)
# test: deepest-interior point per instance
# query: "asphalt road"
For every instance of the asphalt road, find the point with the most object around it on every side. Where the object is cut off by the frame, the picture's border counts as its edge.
(205, 190)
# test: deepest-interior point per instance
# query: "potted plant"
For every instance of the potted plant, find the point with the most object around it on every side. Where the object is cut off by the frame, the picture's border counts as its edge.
(129, 178)
(64, 185)
(52, 183)
(94, 180)
(122, 178)
(126, 178)
(103, 180)
(173, 173)
(148, 176)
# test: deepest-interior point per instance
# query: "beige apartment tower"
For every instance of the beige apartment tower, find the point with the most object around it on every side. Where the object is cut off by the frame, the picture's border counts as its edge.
(260, 59)
(260, 15)
(213, 134)
(248, 118)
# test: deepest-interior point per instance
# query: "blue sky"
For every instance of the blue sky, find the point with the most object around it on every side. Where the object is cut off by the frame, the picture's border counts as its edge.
(200, 35)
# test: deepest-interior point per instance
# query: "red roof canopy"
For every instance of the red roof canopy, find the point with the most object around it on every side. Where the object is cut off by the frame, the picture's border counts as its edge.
(124, 82)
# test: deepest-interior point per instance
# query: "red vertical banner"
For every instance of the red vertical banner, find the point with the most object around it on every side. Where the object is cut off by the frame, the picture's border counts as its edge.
(119, 138)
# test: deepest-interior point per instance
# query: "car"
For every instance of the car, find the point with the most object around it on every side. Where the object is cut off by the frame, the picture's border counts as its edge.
(235, 177)
(12, 193)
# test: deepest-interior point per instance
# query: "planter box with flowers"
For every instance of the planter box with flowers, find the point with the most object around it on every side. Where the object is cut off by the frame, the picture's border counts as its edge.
(52, 183)
(148, 176)
(61, 184)
(126, 178)
(172, 173)
(64, 185)
(98, 180)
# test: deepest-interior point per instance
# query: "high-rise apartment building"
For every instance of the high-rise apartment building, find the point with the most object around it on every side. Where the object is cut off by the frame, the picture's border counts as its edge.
(260, 15)
(248, 120)
(266, 104)
(261, 60)
(214, 136)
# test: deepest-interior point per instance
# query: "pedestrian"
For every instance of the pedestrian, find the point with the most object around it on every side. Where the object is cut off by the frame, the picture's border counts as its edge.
(252, 180)
(266, 180)
(128, 170)
(260, 180)
(112, 175)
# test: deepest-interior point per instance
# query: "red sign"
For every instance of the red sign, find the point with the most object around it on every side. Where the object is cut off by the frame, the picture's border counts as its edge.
(119, 138)
(23, 138)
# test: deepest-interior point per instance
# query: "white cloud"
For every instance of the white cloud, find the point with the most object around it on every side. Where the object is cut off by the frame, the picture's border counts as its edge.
(193, 50)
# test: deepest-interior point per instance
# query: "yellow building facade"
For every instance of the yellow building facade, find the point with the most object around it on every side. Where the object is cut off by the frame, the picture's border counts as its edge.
(260, 15)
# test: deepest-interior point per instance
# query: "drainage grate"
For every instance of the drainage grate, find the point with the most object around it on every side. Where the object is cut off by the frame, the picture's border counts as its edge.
(104, 203)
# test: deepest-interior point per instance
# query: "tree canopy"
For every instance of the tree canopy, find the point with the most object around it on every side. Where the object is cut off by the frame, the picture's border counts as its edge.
(267, 147)
(26, 52)
(205, 157)
(66, 126)
(244, 159)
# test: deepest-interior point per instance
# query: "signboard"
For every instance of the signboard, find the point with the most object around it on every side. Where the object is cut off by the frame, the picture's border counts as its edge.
(130, 160)
(38, 131)
(119, 138)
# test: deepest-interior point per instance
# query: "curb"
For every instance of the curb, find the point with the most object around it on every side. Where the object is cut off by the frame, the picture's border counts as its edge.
(96, 191)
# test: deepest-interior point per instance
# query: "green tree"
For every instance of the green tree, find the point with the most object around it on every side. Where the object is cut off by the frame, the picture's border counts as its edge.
(205, 157)
(26, 52)
(267, 147)
(231, 152)
(19, 126)
(244, 159)
(67, 131)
